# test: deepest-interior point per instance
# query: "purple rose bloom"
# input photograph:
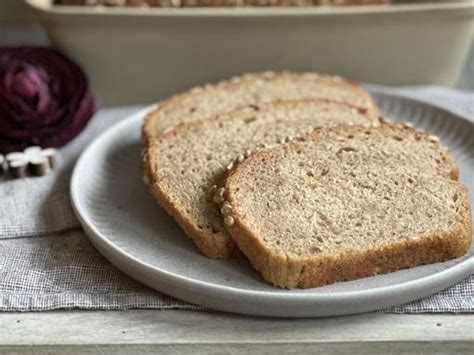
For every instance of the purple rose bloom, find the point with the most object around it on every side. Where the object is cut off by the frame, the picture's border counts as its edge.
(44, 98)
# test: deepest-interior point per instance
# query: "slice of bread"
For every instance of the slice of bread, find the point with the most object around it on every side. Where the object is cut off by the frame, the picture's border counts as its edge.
(248, 89)
(182, 165)
(345, 203)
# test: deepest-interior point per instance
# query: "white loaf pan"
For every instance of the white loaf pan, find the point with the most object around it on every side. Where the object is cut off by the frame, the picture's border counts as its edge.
(135, 55)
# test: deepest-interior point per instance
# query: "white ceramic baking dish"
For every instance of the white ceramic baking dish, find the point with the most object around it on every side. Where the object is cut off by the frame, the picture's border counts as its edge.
(134, 55)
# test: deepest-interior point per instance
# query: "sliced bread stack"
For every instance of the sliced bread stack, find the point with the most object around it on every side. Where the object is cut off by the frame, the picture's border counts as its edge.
(300, 173)
(182, 167)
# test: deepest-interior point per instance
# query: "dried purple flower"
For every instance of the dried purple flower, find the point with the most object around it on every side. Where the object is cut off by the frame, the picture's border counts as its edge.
(44, 98)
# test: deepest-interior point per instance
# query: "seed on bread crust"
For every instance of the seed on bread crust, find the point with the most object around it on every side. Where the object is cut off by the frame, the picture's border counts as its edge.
(218, 199)
(226, 209)
(210, 193)
(219, 195)
(168, 129)
(229, 221)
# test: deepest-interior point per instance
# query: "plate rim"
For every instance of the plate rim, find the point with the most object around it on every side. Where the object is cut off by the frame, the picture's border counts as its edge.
(116, 255)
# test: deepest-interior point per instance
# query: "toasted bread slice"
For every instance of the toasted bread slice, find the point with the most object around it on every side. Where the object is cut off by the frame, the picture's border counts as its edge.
(182, 165)
(201, 102)
(345, 203)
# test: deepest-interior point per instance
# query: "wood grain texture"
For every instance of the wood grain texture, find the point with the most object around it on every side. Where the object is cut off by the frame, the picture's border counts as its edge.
(147, 331)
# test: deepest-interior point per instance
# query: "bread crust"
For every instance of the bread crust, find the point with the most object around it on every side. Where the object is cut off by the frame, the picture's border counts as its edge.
(291, 272)
(288, 271)
(149, 130)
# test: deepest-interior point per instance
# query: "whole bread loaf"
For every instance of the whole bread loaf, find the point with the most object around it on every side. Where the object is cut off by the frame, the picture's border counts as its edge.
(201, 102)
(347, 202)
(181, 167)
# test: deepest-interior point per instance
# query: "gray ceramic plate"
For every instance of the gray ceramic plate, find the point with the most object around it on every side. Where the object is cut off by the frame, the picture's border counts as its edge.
(129, 228)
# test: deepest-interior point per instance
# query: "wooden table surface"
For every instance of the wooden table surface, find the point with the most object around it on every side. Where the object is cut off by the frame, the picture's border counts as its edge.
(177, 331)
